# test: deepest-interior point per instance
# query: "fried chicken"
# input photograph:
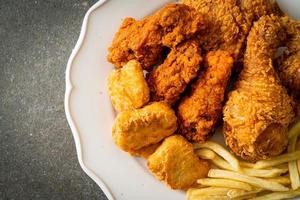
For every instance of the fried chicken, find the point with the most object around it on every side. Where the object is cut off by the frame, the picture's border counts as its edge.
(259, 110)
(170, 79)
(229, 21)
(226, 25)
(144, 40)
(135, 129)
(288, 65)
(176, 163)
(199, 112)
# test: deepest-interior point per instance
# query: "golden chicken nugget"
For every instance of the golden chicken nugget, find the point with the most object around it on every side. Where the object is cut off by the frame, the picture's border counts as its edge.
(145, 152)
(134, 129)
(176, 163)
(127, 87)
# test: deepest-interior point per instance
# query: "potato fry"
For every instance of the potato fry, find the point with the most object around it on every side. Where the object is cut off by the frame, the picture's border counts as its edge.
(294, 175)
(221, 151)
(246, 164)
(295, 130)
(277, 160)
(279, 195)
(205, 154)
(280, 179)
(244, 197)
(258, 182)
(264, 173)
(224, 183)
(194, 193)
(240, 193)
(298, 161)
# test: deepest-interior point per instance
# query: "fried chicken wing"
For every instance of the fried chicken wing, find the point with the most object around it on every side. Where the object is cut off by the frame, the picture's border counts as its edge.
(170, 79)
(259, 110)
(175, 163)
(135, 129)
(227, 27)
(127, 87)
(229, 21)
(144, 40)
(199, 112)
(288, 64)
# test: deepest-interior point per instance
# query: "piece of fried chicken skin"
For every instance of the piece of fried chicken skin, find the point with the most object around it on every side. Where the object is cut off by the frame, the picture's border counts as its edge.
(259, 110)
(199, 112)
(176, 163)
(288, 65)
(170, 79)
(144, 40)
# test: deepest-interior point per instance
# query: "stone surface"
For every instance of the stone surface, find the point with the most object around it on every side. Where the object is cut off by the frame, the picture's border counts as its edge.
(37, 151)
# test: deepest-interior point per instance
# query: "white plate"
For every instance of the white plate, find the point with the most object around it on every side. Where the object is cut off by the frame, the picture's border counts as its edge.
(89, 111)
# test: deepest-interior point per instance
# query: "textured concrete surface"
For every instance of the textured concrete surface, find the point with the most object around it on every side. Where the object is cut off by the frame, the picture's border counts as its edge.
(37, 151)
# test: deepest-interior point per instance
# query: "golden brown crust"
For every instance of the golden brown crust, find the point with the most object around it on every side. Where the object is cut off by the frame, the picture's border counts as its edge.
(175, 163)
(199, 112)
(170, 79)
(145, 152)
(127, 87)
(259, 110)
(227, 27)
(134, 129)
(144, 40)
(288, 65)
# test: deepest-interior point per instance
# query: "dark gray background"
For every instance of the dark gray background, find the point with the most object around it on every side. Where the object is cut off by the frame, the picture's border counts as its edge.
(38, 156)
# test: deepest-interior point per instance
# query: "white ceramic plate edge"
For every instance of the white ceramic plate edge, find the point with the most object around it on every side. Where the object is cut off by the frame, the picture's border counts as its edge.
(68, 92)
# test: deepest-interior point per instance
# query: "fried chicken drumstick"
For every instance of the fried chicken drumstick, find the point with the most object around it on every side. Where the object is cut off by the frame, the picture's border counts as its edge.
(259, 110)
(199, 112)
(144, 40)
(289, 63)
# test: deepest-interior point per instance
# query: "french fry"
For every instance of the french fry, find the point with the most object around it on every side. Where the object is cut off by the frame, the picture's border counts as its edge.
(246, 164)
(221, 151)
(279, 195)
(241, 193)
(294, 130)
(264, 173)
(277, 160)
(224, 183)
(244, 197)
(280, 179)
(294, 174)
(258, 182)
(206, 154)
(212, 192)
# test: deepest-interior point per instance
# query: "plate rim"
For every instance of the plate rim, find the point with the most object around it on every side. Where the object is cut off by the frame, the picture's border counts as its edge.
(68, 92)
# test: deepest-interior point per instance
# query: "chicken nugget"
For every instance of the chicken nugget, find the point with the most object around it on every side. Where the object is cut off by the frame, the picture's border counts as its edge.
(127, 87)
(176, 163)
(170, 79)
(145, 152)
(134, 129)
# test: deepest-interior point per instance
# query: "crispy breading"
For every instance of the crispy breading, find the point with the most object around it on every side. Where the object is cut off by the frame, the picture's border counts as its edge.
(227, 27)
(127, 87)
(229, 21)
(134, 129)
(288, 65)
(259, 110)
(145, 152)
(170, 79)
(199, 112)
(175, 163)
(144, 40)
